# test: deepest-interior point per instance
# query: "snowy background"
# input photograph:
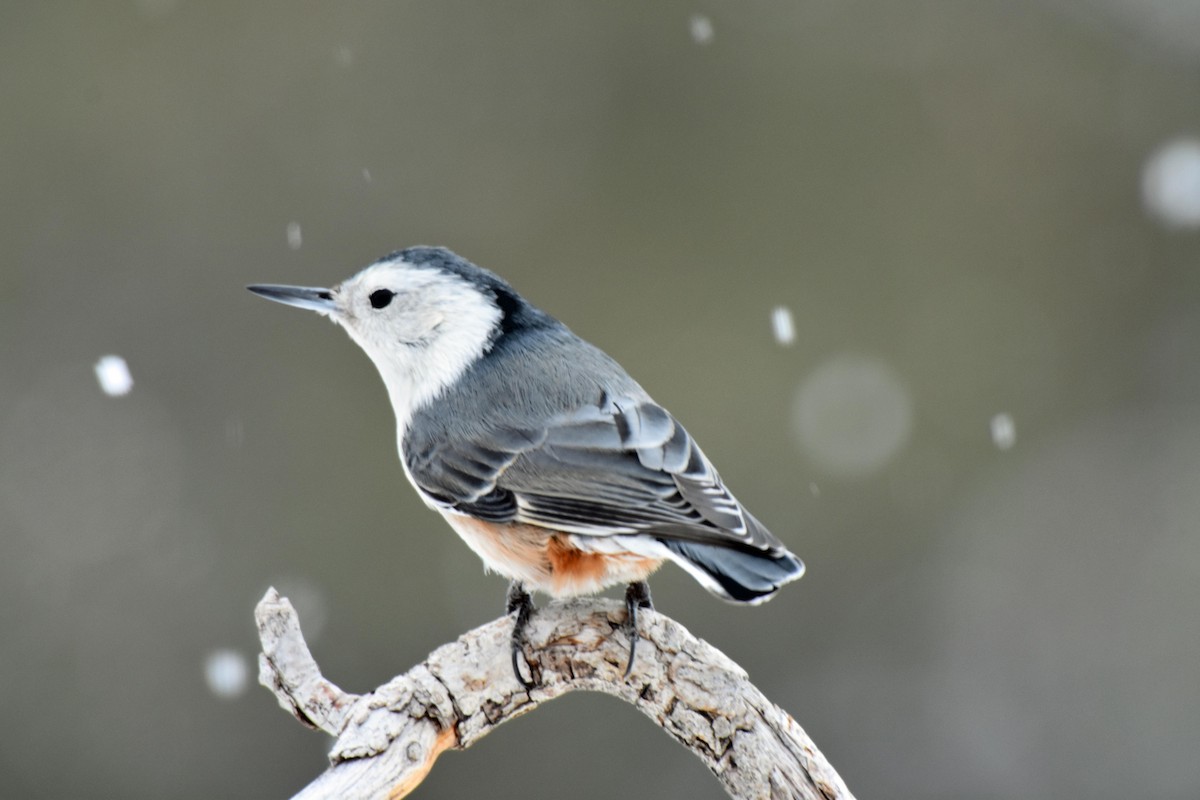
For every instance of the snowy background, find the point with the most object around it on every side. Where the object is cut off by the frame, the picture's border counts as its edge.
(922, 278)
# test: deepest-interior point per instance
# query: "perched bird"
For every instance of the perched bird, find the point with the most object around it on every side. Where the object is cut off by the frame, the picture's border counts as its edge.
(540, 451)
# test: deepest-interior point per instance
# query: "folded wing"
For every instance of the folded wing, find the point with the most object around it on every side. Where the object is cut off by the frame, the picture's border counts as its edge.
(621, 466)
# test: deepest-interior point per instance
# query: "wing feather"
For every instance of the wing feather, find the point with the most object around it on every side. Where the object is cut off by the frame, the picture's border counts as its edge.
(622, 466)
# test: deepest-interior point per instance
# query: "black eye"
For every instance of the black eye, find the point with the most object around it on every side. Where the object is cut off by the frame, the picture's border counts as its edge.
(381, 297)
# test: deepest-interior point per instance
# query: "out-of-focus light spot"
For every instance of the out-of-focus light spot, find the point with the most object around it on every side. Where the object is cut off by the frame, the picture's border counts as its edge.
(294, 238)
(113, 374)
(814, 490)
(1004, 431)
(782, 325)
(226, 673)
(1171, 183)
(701, 28)
(343, 55)
(852, 415)
(366, 175)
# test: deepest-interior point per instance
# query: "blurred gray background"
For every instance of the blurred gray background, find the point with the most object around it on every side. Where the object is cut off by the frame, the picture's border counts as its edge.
(982, 220)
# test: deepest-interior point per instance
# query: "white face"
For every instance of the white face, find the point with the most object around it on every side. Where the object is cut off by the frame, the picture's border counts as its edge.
(421, 326)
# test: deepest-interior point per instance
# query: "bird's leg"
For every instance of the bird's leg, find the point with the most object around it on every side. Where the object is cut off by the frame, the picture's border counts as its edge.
(637, 595)
(518, 600)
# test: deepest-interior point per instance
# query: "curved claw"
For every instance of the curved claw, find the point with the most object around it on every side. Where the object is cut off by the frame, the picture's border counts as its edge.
(637, 595)
(516, 666)
(518, 600)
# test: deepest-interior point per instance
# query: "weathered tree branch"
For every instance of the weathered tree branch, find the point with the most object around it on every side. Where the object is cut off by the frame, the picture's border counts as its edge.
(387, 740)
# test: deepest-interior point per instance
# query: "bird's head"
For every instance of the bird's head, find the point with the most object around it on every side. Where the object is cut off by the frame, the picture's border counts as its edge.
(423, 315)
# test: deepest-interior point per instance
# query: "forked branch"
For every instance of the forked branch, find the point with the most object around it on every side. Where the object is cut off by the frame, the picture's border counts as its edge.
(388, 739)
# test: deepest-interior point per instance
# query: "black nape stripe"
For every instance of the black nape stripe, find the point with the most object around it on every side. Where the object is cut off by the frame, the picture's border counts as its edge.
(510, 308)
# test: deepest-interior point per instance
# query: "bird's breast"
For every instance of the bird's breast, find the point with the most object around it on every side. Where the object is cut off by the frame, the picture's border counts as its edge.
(559, 564)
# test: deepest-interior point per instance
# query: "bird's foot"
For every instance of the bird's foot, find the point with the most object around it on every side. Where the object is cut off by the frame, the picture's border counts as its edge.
(518, 600)
(637, 595)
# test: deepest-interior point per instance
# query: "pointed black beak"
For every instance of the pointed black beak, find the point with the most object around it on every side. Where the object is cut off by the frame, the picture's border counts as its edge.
(319, 300)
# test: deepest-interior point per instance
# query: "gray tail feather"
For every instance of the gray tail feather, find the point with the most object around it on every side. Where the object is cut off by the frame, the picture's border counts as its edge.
(740, 575)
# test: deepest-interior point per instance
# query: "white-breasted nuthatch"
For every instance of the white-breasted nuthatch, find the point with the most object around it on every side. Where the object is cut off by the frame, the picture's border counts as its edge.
(549, 461)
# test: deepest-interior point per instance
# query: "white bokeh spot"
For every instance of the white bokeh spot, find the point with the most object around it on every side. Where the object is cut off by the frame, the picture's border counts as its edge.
(852, 415)
(226, 673)
(294, 236)
(782, 325)
(112, 373)
(1004, 431)
(1171, 183)
(701, 28)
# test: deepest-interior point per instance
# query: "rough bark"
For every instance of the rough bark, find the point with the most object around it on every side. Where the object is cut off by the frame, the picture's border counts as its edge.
(387, 740)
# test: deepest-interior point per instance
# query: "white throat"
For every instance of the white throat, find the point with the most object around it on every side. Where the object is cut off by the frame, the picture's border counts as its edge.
(441, 327)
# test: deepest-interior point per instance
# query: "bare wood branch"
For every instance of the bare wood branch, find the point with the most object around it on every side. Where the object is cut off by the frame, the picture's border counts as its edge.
(388, 739)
